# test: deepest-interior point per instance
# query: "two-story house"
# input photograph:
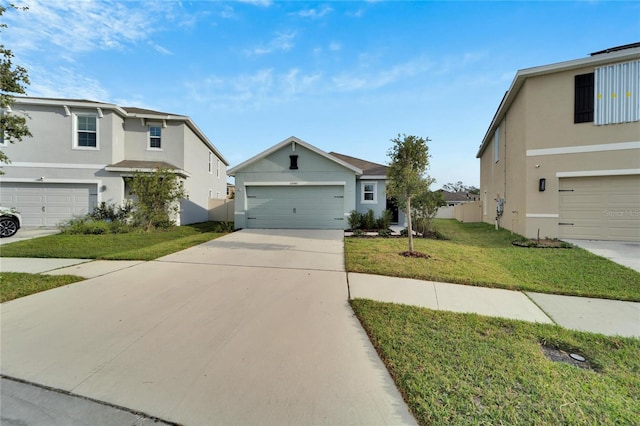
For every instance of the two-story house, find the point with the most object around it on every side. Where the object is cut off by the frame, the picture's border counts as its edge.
(81, 153)
(561, 157)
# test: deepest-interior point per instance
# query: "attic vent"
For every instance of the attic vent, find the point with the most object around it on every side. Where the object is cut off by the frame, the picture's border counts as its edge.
(293, 162)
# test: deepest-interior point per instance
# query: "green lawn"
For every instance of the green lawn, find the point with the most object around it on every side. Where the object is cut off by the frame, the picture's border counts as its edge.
(467, 369)
(477, 254)
(14, 285)
(129, 246)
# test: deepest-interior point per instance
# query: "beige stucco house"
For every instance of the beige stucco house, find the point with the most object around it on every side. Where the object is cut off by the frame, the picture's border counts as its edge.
(561, 156)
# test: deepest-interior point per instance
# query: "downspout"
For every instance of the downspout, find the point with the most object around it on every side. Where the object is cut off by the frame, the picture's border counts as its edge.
(505, 158)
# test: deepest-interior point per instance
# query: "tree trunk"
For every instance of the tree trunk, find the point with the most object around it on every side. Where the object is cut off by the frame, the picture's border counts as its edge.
(409, 226)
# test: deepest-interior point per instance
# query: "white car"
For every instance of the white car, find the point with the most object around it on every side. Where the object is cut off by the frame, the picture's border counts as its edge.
(10, 222)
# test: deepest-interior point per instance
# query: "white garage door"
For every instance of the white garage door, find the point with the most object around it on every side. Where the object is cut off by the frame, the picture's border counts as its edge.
(285, 207)
(600, 208)
(48, 204)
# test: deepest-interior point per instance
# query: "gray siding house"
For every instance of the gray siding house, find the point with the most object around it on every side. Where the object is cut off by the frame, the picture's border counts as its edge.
(82, 151)
(296, 185)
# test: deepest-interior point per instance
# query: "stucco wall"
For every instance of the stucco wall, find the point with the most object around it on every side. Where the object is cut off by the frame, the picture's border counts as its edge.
(201, 181)
(312, 167)
(539, 122)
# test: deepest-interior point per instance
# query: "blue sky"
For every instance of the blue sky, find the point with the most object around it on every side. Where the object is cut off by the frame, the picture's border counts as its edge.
(344, 76)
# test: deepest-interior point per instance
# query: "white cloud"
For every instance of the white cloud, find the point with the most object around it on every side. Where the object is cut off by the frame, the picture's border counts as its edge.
(314, 13)
(254, 90)
(262, 3)
(335, 46)
(160, 49)
(282, 41)
(359, 79)
(64, 82)
(77, 26)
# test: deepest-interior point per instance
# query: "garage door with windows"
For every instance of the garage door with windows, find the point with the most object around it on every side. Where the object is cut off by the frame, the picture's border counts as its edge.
(305, 206)
(600, 208)
(48, 204)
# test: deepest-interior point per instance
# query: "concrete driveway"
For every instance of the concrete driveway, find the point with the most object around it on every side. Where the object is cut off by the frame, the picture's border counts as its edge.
(625, 253)
(252, 328)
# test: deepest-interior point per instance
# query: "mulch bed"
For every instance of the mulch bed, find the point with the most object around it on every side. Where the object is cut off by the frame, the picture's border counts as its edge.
(542, 243)
(415, 254)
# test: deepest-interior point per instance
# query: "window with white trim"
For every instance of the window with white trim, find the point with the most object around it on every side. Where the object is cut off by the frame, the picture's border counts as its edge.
(217, 167)
(368, 192)
(210, 162)
(86, 131)
(155, 137)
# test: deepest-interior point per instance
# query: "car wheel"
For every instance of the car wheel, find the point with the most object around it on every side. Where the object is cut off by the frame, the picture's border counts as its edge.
(8, 227)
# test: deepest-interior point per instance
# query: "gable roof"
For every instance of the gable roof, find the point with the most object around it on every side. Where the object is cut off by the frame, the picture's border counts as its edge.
(368, 168)
(619, 54)
(232, 171)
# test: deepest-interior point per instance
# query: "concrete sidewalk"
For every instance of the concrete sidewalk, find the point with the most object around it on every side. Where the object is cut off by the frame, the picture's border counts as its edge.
(609, 317)
(86, 268)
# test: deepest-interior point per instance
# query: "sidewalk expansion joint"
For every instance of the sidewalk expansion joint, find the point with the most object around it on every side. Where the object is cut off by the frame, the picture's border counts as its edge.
(86, 398)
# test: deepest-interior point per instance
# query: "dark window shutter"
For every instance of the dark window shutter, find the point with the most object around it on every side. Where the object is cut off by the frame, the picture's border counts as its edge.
(584, 92)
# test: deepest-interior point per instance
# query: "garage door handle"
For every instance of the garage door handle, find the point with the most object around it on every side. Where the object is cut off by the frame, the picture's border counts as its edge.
(43, 209)
(564, 223)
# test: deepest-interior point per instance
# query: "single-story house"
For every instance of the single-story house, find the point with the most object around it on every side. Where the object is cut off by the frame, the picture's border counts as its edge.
(296, 185)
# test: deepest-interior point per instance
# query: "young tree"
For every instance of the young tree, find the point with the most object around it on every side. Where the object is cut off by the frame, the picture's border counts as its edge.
(407, 173)
(13, 81)
(425, 206)
(158, 196)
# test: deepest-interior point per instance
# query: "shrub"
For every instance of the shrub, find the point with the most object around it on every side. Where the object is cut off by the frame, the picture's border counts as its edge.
(224, 227)
(355, 220)
(88, 225)
(369, 220)
(386, 233)
(404, 232)
(112, 212)
(384, 221)
(358, 233)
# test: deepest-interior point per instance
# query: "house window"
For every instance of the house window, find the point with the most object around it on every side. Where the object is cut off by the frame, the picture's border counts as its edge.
(369, 193)
(155, 137)
(293, 162)
(86, 131)
(583, 104)
(496, 145)
(210, 162)
(217, 167)
(210, 193)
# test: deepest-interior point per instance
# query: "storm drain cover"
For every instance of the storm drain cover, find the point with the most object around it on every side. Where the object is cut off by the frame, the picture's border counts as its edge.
(557, 355)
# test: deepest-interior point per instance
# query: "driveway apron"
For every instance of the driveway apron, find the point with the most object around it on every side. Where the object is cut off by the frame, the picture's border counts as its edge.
(251, 328)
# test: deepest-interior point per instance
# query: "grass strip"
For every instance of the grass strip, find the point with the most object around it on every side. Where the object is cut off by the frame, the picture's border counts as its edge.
(456, 368)
(477, 254)
(16, 284)
(129, 246)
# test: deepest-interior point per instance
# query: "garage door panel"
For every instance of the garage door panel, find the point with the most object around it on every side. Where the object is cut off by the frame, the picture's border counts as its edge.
(603, 207)
(48, 204)
(306, 207)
